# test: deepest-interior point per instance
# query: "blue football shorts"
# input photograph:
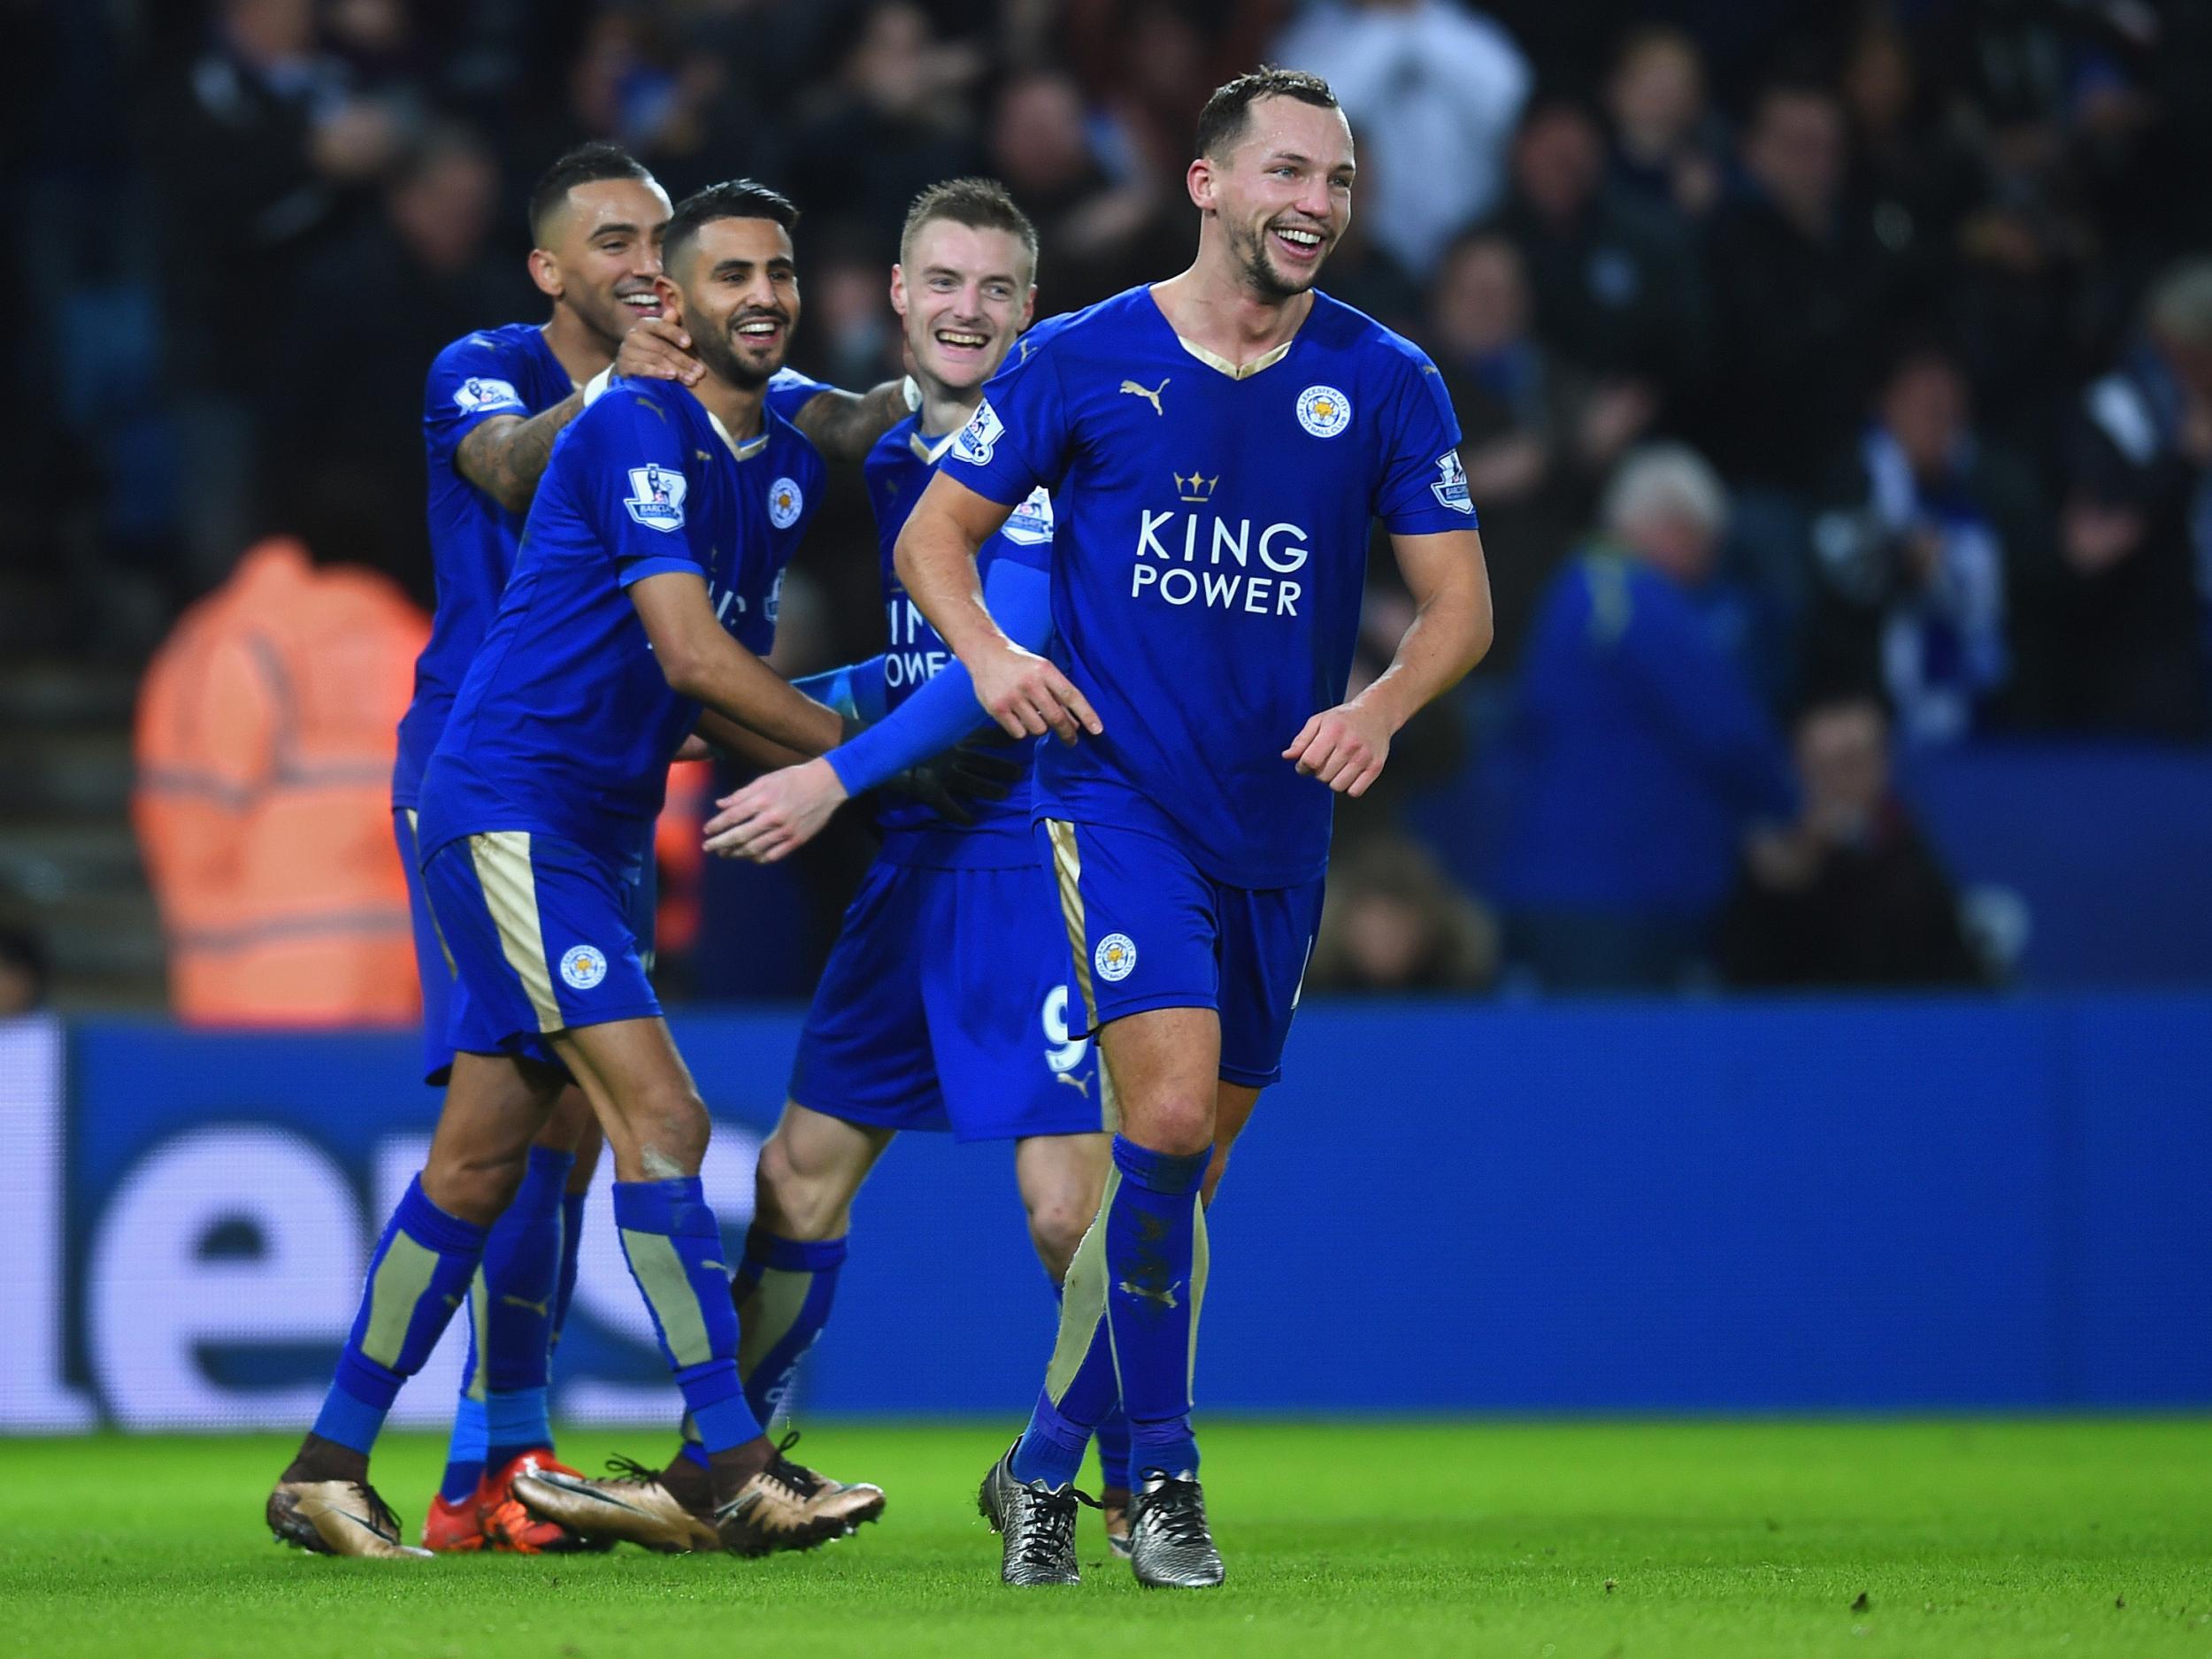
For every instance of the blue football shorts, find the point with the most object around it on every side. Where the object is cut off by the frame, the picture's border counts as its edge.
(519, 935)
(946, 1005)
(1146, 928)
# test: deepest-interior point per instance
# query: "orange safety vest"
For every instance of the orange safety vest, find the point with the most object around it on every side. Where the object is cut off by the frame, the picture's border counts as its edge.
(265, 735)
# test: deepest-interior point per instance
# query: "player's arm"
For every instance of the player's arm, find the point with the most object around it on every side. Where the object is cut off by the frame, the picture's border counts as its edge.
(718, 732)
(701, 661)
(1345, 746)
(844, 425)
(504, 456)
(935, 557)
(780, 813)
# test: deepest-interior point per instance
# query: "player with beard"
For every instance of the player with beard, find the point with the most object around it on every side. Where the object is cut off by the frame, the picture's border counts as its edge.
(1216, 446)
(495, 401)
(944, 1004)
(643, 596)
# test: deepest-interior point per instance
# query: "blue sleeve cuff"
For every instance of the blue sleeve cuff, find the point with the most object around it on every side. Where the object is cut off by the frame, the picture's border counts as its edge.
(945, 710)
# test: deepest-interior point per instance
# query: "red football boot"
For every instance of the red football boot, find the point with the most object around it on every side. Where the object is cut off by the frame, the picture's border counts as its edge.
(509, 1528)
(452, 1528)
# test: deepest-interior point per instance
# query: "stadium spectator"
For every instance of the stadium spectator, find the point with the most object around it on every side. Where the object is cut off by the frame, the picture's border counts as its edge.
(1433, 91)
(1638, 756)
(1925, 532)
(1616, 283)
(1851, 894)
(264, 746)
(1093, 217)
(259, 148)
(2118, 617)
(369, 315)
(1539, 435)
(1393, 922)
(893, 117)
(1670, 148)
(1800, 291)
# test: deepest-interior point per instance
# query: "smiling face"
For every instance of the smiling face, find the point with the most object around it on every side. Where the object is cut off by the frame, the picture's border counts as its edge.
(602, 253)
(736, 288)
(1281, 193)
(964, 293)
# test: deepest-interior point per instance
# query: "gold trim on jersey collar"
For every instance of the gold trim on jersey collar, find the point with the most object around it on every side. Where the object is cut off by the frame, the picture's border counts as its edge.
(925, 450)
(1236, 371)
(744, 451)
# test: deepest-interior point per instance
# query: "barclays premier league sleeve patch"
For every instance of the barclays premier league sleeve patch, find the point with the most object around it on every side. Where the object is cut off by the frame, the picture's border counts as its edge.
(1031, 523)
(657, 498)
(476, 395)
(979, 439)
(1451, 483)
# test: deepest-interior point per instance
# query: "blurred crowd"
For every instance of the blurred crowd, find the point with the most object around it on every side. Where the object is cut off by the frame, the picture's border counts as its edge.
(1835, 377)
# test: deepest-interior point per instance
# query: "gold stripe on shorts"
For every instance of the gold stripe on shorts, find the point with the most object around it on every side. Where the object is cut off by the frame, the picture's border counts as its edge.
(510, 894)
(1067, 868)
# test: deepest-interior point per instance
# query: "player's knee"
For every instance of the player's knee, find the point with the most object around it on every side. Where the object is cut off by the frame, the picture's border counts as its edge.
(792, 1202)
(1175, 1123)
(476, 1188)
(671, 1128)
(1057, 1222)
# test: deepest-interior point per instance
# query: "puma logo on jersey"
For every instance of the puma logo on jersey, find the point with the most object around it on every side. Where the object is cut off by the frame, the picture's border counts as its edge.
(541, 1309)
(1080, 1084)
(1151, 396)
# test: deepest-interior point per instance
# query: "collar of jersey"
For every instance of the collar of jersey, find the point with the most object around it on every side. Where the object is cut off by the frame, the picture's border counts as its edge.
(742, 452)
(1236, 371)
(932, 450)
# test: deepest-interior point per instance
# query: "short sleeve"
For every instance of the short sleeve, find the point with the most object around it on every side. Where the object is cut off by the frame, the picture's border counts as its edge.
(625, 458)
(1018, 438)
(790, 391)
(1423, 487)
(470, 381)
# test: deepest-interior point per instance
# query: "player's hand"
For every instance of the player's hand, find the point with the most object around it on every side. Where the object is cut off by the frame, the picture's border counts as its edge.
(776, 814)
(1029, 696)
(657, 350)
(1345, 747)
(946, 783)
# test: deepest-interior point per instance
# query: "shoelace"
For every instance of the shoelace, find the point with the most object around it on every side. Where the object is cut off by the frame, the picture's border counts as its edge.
(798, 1477)
(381, 1514)
(1178, 1509)
(629, 1470)
(1044, 1526)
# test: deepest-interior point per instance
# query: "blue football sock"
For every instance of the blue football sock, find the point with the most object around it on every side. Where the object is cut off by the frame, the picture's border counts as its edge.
(674, 1249)
(1112, 1436)
(465, 1453)
(1081, 1388)
(572, 1241)
(418, 1276)
(520, 1285)
(1156, 1275)
(783, 1293)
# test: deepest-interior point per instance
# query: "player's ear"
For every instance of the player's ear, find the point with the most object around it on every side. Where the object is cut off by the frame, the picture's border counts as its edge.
(898, 289)
(670, 297)
(545, 270)
(1029, 307)
(1200, 181)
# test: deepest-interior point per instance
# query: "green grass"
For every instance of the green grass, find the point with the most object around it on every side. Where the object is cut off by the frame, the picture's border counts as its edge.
(1638, 1541)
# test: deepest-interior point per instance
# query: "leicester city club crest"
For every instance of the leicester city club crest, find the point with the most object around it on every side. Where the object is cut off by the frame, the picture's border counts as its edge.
(583, 967)
(1116, 956)
(657, 498)
(1324, 411)
(784, 504)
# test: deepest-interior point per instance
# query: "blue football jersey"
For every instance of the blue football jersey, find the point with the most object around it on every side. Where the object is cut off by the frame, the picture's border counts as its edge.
(508, 370)
(1209, 551)
(897, 470)
(565, 724)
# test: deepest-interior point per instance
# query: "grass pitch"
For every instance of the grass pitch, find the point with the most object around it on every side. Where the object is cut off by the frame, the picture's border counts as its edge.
(1618, 1541)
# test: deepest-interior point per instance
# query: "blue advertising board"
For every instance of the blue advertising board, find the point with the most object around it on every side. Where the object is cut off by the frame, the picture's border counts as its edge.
(1644, 1207)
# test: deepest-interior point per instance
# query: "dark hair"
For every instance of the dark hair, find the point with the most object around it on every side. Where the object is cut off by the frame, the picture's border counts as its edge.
(587, 164)
(979, 204)
(733, 198)
(1221, 123)
(25, 951)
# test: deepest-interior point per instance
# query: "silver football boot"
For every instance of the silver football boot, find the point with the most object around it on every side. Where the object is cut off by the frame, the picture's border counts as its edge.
(1170, 1544)
(1036, 1523)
